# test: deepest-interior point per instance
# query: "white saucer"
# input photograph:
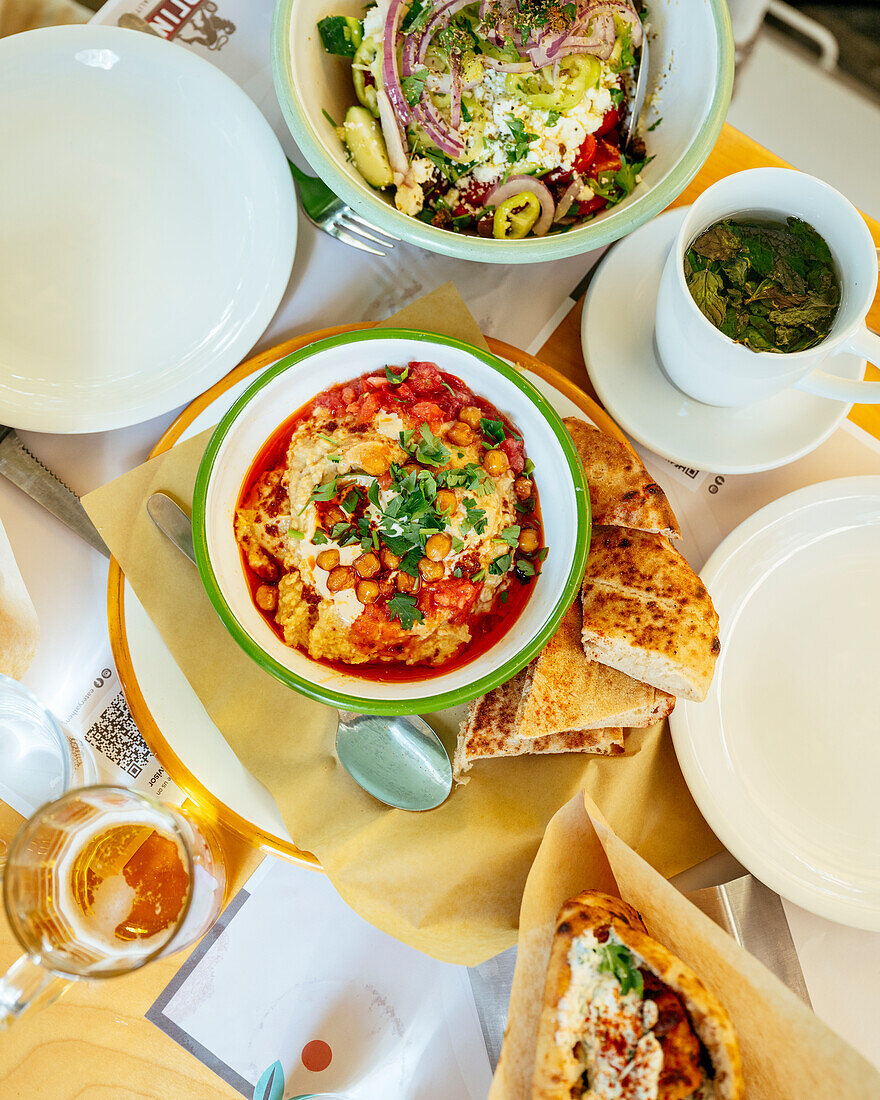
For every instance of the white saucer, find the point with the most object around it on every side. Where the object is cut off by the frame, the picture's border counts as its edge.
(783, 756)
(617, 334)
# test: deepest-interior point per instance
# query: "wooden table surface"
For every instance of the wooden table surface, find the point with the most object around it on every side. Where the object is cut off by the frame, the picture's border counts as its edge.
(94, 1043)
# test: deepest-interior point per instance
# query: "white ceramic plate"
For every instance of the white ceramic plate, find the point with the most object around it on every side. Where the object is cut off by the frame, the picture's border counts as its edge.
(176, 709)
(783, 757)
(147, 227)
(617, 335)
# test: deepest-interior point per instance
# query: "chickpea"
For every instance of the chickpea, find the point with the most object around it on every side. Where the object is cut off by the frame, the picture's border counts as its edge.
(334, 515)
(367, 565)
(406, 583)
(367, 591)
(265, 567)
(328, 559)
(447, 501)
(437, 547)
(528, 540)
(389, 560)
(266, 597)
(495, 463)
(471, 416)
(522, 487)
(343, 576)
(430, 570)
(375, 463)
(460, 434)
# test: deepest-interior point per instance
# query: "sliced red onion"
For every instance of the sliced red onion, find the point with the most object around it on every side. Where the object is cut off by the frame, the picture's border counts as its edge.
(564, 204)
(394, 142)
(515, 185)
(621, 8)
(390, 75)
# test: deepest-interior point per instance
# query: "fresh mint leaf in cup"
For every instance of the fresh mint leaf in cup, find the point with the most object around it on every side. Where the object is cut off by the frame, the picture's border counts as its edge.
(769, 285)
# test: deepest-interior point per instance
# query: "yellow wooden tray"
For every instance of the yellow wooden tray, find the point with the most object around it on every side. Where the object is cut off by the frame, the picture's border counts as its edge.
(179, 772)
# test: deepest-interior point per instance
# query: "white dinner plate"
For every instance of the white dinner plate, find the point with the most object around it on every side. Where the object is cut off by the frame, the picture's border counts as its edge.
(147, 227)
(783, 757)
(176, 710)
(617, 334)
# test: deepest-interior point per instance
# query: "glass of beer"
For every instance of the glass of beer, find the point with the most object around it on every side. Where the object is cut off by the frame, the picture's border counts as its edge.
(100, 882)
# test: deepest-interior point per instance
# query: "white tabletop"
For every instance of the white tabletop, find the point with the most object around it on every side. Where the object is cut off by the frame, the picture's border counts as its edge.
(333, 284)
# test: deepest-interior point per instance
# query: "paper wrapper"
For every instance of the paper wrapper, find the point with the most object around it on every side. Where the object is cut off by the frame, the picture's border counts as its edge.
(450, 881)
(788, 1053)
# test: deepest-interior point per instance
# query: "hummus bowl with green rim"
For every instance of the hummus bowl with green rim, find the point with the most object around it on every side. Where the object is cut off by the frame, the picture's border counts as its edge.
(272, 399)
(690, 79)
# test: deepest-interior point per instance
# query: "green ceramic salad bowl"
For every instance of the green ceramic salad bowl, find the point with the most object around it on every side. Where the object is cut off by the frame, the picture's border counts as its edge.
(690, 82)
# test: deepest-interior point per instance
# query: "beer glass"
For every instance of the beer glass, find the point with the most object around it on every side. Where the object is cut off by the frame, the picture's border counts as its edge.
(100, 882)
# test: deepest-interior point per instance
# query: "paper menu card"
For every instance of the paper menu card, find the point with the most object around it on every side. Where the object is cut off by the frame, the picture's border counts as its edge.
(480, 843)
(788, 1053)
(291, 973)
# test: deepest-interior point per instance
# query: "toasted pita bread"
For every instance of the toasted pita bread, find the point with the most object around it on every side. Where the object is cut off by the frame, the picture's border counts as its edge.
(622, 492)
(563, 691)
(646, 612)
(489, 730)
(559, 1070)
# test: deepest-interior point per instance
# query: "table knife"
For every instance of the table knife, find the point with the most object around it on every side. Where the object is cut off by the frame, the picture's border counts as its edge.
(19, 466)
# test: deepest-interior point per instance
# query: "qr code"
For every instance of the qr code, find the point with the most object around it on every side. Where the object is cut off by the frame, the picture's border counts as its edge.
(118, 738)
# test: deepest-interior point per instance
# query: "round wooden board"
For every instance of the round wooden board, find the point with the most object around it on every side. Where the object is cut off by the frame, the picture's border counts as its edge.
(148, 726)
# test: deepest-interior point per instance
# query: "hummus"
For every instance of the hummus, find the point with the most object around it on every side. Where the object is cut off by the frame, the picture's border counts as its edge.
(386, 532)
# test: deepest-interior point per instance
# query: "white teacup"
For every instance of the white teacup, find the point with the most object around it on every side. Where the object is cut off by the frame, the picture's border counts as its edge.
(706, 364)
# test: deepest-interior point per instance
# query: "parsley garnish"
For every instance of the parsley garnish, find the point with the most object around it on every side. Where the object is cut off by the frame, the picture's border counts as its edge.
(529, 467)
(618, 960)
(319, 538)
(405, 609)
(373, 493)
(504, 596)
(396, 379)
(510, 535)
(554, 116)
(525, 568)
(493, 430)
(327, 491)
(430, 451)
(501, 565)
(654, 125)
(527, 505)
(351, 501)
(413, 86)
(417, 17)
(520, 139)
(475, 518)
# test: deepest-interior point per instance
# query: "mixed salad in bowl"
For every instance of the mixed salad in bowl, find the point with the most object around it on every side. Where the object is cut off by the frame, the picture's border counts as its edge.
(496, 117)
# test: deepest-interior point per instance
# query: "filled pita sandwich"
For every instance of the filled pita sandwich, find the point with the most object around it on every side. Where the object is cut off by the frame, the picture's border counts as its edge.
(622, 492)
(624, 1019)
(490, 731)
(647, 613)
(564, 691)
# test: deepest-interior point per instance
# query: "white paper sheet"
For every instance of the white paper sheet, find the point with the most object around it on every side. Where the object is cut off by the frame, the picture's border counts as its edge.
(291, 964)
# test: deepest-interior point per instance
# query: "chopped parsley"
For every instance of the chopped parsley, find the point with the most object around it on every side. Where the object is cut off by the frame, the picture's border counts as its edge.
(319, 538)
(501, 565)
(520, 139)
(527, 505)
(325, 491)
(553, 116)
(413, 86)
(618, 960)
(475, 518)
(350, 501)
(525, 568)
(493, 430)
(405, 609)
(529, 467)
(510, 535)
(429, 451)
(396, 379)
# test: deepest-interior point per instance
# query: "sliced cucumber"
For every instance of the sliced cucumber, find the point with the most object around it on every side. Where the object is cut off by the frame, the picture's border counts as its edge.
(363, 137)
(341, 34)
(366, 55)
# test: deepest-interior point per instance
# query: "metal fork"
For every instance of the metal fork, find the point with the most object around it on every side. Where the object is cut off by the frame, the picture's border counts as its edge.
(328, 212)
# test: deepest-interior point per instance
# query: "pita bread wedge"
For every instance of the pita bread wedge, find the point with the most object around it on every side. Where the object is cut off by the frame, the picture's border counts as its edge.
(622, 1016)
(622, 492)
(489, 731)
(563, 691)
(647, 613)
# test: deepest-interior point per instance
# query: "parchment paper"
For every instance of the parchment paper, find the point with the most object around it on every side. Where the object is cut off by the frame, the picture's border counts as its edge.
(450, 881)
(788, 1053)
